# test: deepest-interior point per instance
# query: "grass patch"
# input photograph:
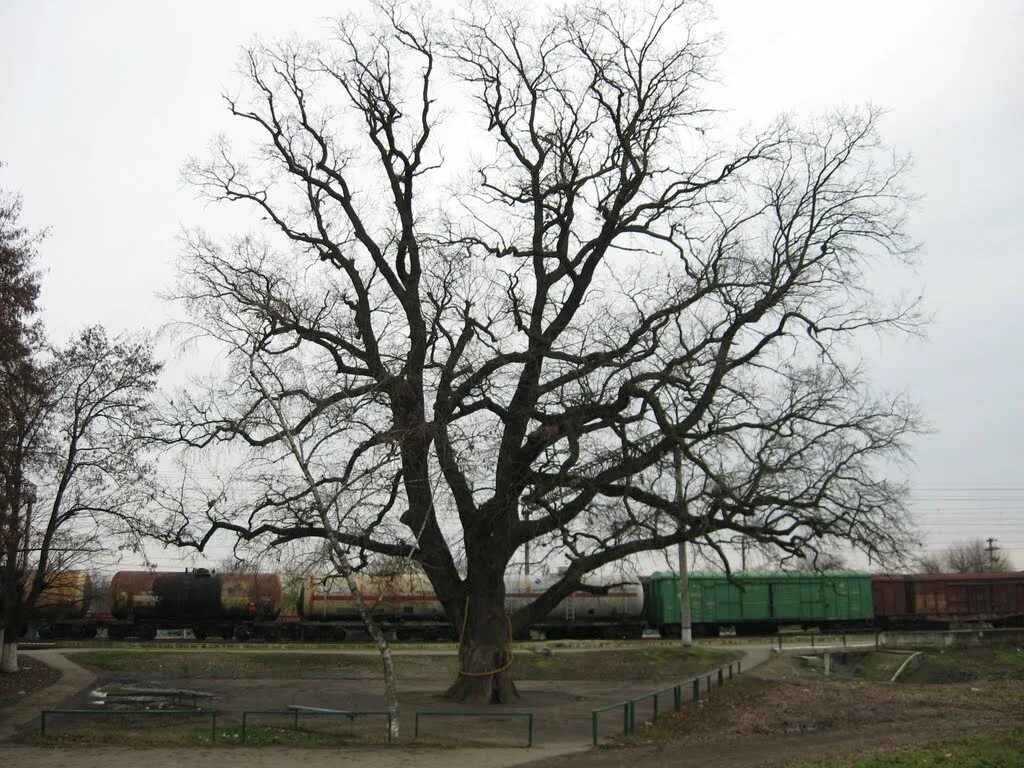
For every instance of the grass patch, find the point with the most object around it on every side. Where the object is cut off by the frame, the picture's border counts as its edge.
(998, 751)
(963, 665)
(880, 667)
(214, 664)
(651, 663)
(642, 663)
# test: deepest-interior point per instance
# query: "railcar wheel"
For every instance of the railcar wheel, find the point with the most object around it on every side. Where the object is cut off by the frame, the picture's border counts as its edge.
(242, 634)
(146, 632)
(199, 634)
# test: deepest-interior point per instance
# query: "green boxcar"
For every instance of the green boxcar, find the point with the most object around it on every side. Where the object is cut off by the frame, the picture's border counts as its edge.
(758, 601)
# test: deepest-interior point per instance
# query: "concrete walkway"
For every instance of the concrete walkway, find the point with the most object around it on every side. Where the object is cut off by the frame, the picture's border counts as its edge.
(73, 678)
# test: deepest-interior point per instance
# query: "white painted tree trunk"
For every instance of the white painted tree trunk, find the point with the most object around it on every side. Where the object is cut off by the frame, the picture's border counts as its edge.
(338, 556)
(9, 657)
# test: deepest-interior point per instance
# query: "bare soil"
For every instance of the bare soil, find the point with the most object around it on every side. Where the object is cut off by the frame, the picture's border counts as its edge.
(783, 716)
(33, 675)
(559, 686)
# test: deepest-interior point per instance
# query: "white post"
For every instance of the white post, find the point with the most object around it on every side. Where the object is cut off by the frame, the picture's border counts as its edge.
(686, 628)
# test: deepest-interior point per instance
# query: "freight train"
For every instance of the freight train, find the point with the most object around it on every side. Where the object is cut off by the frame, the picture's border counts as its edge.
(250, 606)
(755, 603)
(247, 606)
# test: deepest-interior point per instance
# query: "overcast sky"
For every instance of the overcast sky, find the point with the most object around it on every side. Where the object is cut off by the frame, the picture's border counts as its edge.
(101, 103)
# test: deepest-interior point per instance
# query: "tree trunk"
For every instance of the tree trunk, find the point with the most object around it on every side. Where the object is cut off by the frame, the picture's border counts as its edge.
(10, 622)
(9, 657)
(9, 642)
(485, 651)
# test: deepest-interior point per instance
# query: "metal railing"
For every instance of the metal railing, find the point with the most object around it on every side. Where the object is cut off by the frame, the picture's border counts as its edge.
(829, 638)
(212, 713)
(629, 706)
(527, 715)
(295, 711)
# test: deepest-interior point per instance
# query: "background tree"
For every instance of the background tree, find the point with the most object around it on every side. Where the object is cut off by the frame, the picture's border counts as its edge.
(21, 391)
(86, 461)
(536, 326)
(974, 556)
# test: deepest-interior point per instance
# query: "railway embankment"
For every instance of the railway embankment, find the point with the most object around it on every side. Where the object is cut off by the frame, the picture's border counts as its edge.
(952, 638)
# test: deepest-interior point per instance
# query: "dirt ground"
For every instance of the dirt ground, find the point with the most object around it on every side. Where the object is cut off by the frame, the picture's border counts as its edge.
(560, 687)
(784, 713)
(34, 676)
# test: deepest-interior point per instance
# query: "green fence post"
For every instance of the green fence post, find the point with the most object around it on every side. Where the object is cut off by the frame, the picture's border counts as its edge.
(677, 698)
(654, 711)
(709, 685)
(696, 689)
(244, 716)
(593, 726)
(213, 725)
(391, 728)
(739, 667)
(416, 732)
(42, 723)
(625, 717)
(721, 677)
(295, 720)
(529, 731)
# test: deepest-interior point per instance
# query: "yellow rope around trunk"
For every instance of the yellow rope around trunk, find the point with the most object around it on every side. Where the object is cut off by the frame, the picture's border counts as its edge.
(462, 634)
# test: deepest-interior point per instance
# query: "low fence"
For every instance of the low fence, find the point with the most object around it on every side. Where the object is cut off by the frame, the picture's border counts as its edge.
(212, 713)
(691, 687)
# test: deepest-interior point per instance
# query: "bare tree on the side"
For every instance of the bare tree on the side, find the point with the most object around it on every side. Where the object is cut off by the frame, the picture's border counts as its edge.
(86, 461)
(524, 321)
(22, 392)
(975, 556)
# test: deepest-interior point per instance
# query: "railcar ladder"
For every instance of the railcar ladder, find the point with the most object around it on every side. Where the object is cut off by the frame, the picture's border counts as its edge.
(570, 610)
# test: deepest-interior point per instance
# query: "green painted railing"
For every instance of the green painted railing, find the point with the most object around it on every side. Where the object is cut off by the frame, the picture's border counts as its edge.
(527, 715)
(212, 713)
(295, 712)
(629, 707)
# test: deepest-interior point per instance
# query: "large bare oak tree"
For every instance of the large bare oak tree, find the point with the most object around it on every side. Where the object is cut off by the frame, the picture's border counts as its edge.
(516, 255)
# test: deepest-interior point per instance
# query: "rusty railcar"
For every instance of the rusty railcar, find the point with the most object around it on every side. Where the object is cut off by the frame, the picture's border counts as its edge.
(407, 605)
(948, 600)
(229, 604)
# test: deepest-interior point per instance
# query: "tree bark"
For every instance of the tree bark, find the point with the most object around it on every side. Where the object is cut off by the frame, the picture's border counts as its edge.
(9, 658)
(485, 650)
(10, 618)
(9, 640)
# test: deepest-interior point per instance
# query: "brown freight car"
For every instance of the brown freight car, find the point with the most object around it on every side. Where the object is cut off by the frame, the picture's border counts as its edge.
(228, 604)
(948, 600)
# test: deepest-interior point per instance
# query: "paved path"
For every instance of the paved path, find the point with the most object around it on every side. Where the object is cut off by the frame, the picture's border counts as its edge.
(73, 678)
(272, 757)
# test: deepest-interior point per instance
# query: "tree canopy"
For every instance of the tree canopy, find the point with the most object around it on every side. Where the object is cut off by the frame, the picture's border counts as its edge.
(500, 332)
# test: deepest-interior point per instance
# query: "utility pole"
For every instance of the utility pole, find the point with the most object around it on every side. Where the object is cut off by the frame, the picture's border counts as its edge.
(992, 552)
(686, 629)
(743, 552)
